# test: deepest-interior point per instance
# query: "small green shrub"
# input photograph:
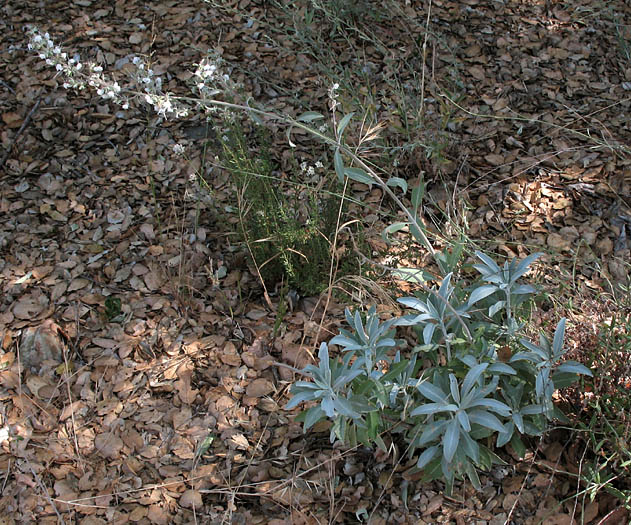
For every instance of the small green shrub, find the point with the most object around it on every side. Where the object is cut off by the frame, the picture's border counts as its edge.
(485, 379)
(289, 227)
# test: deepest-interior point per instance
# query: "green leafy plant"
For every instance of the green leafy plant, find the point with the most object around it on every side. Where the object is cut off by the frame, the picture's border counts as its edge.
(485, 380)
(288, 228)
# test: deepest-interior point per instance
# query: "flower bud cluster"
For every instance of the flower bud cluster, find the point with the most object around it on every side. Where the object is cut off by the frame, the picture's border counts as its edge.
(78, 76)
(75, 74)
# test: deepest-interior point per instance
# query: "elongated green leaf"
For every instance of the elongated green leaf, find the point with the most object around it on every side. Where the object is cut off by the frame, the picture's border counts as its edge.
(359, 175)
(398, 182)
(339, 165)
(288, 132)
(472, 377)
(427, 455)
(313, 415)
(342, 125)
(489, 263)
(393, 228)
(506, 435)
(310, 116)
(524, 265)
(432, 392)
(572, 367)
(559, 336)
(481, 292)
(417, 197)
(432, 432)
(453, 388)
(463, 419)
(433, 408)
(486, 419)
(451, 440)
(492, 404)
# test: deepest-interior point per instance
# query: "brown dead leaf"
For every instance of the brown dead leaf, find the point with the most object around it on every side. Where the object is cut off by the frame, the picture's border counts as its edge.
(260, 387)
(109, 445)
(191, 499)
(42, 343)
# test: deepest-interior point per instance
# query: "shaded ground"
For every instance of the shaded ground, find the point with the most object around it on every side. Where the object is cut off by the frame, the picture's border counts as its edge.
(172, 411)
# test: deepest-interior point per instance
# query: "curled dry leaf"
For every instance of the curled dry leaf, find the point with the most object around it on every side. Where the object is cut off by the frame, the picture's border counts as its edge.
(260, 387)
(108, 444)
(41, 344)
(191, 499)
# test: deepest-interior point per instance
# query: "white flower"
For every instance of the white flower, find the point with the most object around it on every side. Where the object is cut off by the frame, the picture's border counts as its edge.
(178, 149)
(319, 165)
(59, 67)
(97, 69)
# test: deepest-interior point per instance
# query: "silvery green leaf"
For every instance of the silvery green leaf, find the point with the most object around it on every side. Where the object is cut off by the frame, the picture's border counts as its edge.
(302, 385)
(328, 407)
(492, 404)
(393, 228)
(314, 414)
(451, 440)
(288, 134)
(463, 419)
(481, 292)
(339, 165)
(413, 302)
(427, 455)
(359, 175)
(506, 435)
(470, 447)
(541, 382)
(428, 333)
(347, 342)
(524, 265)
(397, 181)
(502, 368)
(433, 408)
(496, 308)
(345, 378)
(344, 407)
(417, 196)
(432, 432)
(299, 398)
(310, 116)
(488, 262)
(519, 421)
(541, 352)
(559, 336)
(486, 419)
(469, 360)
(573, 367)
(523, 289)
(413, 275)
(472, 377)
(431, 392)
(526, 356)
(453, 387)
(343, 123)
(533, 409)
(445, 289)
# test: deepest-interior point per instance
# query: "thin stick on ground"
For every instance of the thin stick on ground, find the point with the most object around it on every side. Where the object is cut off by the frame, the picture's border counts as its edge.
(26, 122)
